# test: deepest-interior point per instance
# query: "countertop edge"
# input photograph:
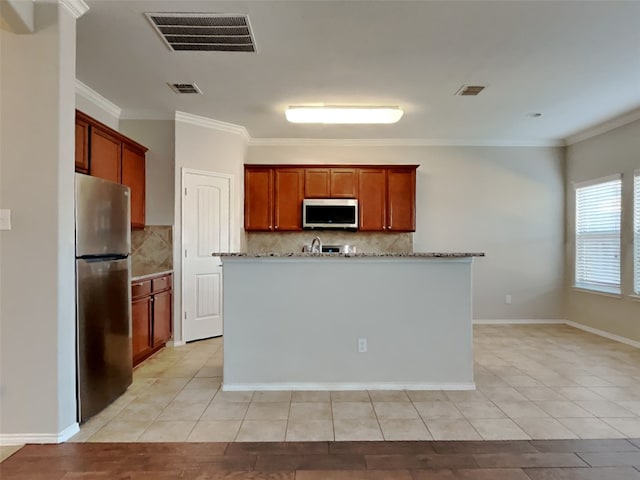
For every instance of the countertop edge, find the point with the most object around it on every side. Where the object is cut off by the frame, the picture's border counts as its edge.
(137, 278)
(351, 255)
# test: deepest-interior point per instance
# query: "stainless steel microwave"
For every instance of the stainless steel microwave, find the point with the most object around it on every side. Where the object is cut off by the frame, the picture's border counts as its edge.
(339, 213)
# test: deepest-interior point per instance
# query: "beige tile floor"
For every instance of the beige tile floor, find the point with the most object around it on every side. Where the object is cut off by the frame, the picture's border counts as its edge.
(533, 381)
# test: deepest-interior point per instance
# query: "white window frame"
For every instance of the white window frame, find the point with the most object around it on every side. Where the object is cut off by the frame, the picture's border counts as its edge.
(636, 232)
(581, 280)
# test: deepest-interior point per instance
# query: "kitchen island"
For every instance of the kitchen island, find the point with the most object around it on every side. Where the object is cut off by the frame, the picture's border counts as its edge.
(302, 321)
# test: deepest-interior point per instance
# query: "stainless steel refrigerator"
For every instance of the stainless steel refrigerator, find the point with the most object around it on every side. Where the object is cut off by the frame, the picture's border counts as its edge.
(103, 293)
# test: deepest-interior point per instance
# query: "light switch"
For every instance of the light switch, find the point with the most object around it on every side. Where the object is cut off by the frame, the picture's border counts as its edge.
(5, 219)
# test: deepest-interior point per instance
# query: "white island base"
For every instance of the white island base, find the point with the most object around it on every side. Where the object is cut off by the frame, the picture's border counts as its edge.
(296, 322)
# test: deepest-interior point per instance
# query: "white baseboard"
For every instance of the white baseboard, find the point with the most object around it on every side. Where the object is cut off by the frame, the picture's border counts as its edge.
(602, 333)
(339, 386)
(23, 438)
(175, 343)
(518, 321)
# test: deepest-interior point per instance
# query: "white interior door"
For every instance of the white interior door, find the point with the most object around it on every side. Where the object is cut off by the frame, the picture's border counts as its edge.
(205, 229)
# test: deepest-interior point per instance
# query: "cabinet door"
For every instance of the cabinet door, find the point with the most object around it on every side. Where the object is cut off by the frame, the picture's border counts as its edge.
(344, 182)
(82, 146)
(105, 155)
(161, 318)
(317, 183)
(289, 192)
(133, 175)
(258, 195)
(401, 194)
(140, 328)
(372, 199)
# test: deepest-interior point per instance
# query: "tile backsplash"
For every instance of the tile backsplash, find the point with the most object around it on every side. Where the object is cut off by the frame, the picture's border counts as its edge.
(152, 248)
(365, 242)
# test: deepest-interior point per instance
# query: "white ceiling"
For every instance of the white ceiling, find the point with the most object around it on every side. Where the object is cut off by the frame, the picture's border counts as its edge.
(577, 62)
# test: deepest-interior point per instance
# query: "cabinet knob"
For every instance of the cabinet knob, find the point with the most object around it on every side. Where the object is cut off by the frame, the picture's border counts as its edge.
(276, 227)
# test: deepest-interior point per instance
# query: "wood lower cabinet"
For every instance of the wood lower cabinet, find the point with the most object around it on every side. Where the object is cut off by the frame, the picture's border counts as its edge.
(105, 153)
(288, 195)
(133, 176)
(151, 315)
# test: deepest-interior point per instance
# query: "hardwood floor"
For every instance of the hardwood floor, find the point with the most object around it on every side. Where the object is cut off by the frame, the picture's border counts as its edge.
(613, 459)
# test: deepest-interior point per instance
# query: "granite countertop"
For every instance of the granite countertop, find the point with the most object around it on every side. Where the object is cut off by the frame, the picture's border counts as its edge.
(144, 273)
(335, 255)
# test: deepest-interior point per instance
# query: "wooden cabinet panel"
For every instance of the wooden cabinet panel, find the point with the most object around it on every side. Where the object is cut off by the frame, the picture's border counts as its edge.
(82, 145)
(344, 183)
(401, 195)
(372, 199)
(317, 183)
(105, 155)
(133, 176)
(258, 197)
(141, 328)
(289, 192)
(141, 289)
(161, 318)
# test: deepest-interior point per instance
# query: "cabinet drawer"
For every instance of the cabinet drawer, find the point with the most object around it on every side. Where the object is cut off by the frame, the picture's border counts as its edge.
(140, 289)
(162, 283)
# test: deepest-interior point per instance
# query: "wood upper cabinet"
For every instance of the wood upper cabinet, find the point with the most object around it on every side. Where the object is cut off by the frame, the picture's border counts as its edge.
(317, 183)
(288, 195)
(105, 155)
(330, 182)
(372, 203)
(385, 193)
(401, 200)
(133, 176)
(258, 199)
(344, 183)
(82, 145)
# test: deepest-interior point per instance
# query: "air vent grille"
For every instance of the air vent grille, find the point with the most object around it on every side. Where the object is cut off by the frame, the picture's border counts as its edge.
(185, 88)
(204, 32)
(470, 90)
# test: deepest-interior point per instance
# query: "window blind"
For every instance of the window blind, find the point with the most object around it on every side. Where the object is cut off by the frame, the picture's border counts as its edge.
(598, 208)
(636, 234)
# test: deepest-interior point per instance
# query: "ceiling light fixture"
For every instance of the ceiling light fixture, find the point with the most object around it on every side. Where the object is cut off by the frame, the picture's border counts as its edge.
(343, 114)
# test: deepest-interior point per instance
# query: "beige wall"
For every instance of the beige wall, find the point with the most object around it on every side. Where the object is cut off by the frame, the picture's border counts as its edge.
(37, 279)
(200, 147)
(506, 202)
(159, 137)
(617, 151)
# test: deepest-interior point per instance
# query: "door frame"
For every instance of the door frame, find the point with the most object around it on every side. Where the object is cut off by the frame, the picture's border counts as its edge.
(232, 204)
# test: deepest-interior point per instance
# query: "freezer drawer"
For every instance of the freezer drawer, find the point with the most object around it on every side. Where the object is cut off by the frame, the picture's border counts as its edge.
(104, 333)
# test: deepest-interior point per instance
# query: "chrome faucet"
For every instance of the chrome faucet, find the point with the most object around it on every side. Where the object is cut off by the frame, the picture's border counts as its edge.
(316, 245)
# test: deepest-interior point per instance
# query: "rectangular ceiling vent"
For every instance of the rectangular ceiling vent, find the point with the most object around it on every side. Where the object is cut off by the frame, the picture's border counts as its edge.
(204, 32)
(470, 90)
(185, 88)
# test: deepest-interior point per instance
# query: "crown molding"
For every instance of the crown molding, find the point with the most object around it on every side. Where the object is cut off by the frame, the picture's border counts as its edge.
(145, 115)
(213, 124)
(77, 8)
(399, 142)
(94, 97)
(604, 127)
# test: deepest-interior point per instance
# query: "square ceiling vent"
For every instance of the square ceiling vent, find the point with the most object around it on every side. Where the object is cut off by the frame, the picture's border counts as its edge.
(470, 90)
(185, 88)
(204, 32)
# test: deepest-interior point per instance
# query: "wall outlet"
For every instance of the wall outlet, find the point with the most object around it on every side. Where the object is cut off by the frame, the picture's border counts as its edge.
(362, 345)
(507, 299)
